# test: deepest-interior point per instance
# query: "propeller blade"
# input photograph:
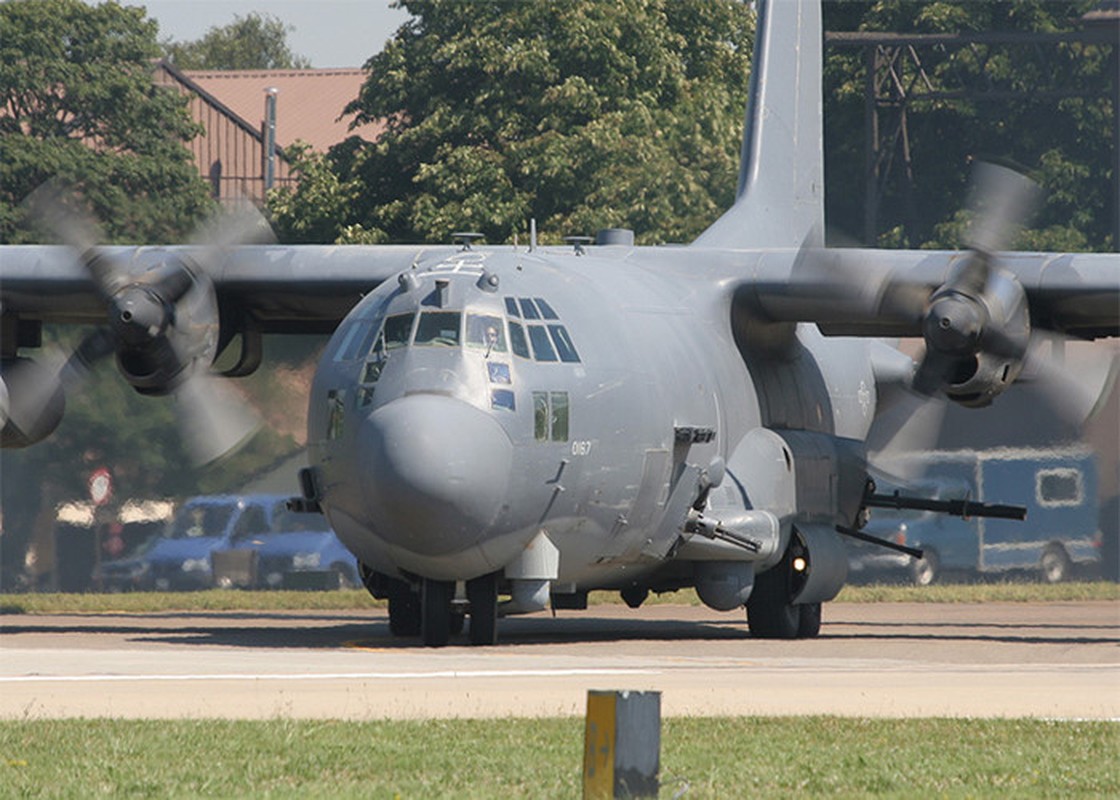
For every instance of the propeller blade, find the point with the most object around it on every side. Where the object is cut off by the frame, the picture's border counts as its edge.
(1002, 201)
(213, 418)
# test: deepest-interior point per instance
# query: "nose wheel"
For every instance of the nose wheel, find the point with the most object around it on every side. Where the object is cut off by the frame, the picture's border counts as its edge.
(482, 595)
(435, 611)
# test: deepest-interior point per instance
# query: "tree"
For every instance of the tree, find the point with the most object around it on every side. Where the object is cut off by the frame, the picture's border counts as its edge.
(254, 41)
(79, 104)
(582, 115)
(1063, 141)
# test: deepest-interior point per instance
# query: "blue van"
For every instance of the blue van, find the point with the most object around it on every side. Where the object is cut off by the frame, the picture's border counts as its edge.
(1058, 487)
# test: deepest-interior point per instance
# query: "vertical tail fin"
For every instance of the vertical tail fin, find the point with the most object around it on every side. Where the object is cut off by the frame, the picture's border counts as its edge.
(780, 201)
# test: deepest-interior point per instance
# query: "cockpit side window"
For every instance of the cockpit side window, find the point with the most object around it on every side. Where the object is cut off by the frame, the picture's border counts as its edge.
(355, 341)
(397, 330)
(511, 307)
(439, 328)
(486, 332)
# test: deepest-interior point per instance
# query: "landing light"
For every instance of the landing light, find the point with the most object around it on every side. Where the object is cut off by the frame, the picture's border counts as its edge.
(800, 564)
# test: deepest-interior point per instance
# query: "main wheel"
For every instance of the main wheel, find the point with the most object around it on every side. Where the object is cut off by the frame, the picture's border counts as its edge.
(404, 610)
(482, 595)
(770, 614)
(435, 612)
(809, 623)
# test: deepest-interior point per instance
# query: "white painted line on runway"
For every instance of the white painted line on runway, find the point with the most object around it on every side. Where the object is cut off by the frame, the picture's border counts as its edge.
(332, 676)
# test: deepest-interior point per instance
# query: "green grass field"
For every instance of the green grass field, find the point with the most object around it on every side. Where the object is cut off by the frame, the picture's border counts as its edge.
(357, 599)
(700, 758)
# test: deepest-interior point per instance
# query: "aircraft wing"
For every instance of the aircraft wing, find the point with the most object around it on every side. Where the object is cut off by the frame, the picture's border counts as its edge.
(286, 289)
(884, 293)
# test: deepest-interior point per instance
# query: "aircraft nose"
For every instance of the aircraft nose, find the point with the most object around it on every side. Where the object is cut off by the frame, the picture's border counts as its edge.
(437, 472)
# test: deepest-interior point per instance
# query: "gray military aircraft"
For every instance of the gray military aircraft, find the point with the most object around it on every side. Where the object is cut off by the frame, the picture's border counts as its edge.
(538, 422)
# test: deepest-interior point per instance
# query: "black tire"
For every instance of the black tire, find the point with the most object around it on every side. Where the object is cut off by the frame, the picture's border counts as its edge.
(435, 612)
(927, 569)
(404, 610)
(810, 622)
(482, 595)
(1054, 565)
(770, 614)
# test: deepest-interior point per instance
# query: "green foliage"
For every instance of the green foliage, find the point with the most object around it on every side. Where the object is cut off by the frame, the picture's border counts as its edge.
(79, 104)
(582, 115)
(1066, 142)
(255, 41)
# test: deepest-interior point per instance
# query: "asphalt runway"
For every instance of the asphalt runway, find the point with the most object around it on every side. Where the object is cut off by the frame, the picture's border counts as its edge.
(1054, 660)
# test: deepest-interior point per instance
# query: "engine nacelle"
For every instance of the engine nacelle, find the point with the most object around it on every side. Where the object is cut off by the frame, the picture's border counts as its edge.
(32, 402)
(981, 379)
(978, 337)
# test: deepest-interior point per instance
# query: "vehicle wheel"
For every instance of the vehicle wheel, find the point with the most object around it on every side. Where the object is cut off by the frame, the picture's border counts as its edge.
(1054, 565)
(344, 577)
(404, 610)
(435, 612)
(809, 624)
(926, 570)
(482, 595)
(770, 614)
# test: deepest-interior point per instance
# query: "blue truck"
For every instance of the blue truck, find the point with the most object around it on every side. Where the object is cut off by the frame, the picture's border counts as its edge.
(1058, 487)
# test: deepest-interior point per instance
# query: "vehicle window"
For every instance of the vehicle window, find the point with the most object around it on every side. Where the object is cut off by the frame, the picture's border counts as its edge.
(546, 309)
(293, 522)
(439, 328)
(251, 521)
(511, 307)
(542, 346)
(528, 309)
(517, 340)
(563, 342)
(1058, 487)
(487, 332)
(397, 330)
(201, 520)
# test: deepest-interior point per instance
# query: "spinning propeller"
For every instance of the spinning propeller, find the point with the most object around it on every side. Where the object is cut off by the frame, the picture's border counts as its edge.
(163, 325)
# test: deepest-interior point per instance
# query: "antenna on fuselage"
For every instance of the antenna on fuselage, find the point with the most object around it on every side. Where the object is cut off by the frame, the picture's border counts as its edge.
(532, 234)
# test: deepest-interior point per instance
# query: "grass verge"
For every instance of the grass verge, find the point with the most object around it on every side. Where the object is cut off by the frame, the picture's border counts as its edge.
(358, 599)
(700, 757)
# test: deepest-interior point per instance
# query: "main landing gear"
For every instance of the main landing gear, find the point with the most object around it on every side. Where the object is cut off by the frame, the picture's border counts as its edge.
(771, 615)
(430, 610)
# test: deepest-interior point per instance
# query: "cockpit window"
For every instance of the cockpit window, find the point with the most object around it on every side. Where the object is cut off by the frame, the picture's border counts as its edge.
(546, 309)
(563, 343)
(528, 309)
(518, 341)
(439, 328)
(397, 330)
(511, 307)
(356, 340)
(542, 346)
(486, 332)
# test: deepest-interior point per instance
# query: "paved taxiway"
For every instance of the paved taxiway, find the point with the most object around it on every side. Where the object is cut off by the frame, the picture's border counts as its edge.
(892, 659)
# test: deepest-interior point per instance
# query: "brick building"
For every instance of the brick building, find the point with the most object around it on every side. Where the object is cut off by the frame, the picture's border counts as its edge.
(231, 106)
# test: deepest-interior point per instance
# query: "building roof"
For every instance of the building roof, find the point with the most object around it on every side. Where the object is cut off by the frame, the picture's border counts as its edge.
(308, 106)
